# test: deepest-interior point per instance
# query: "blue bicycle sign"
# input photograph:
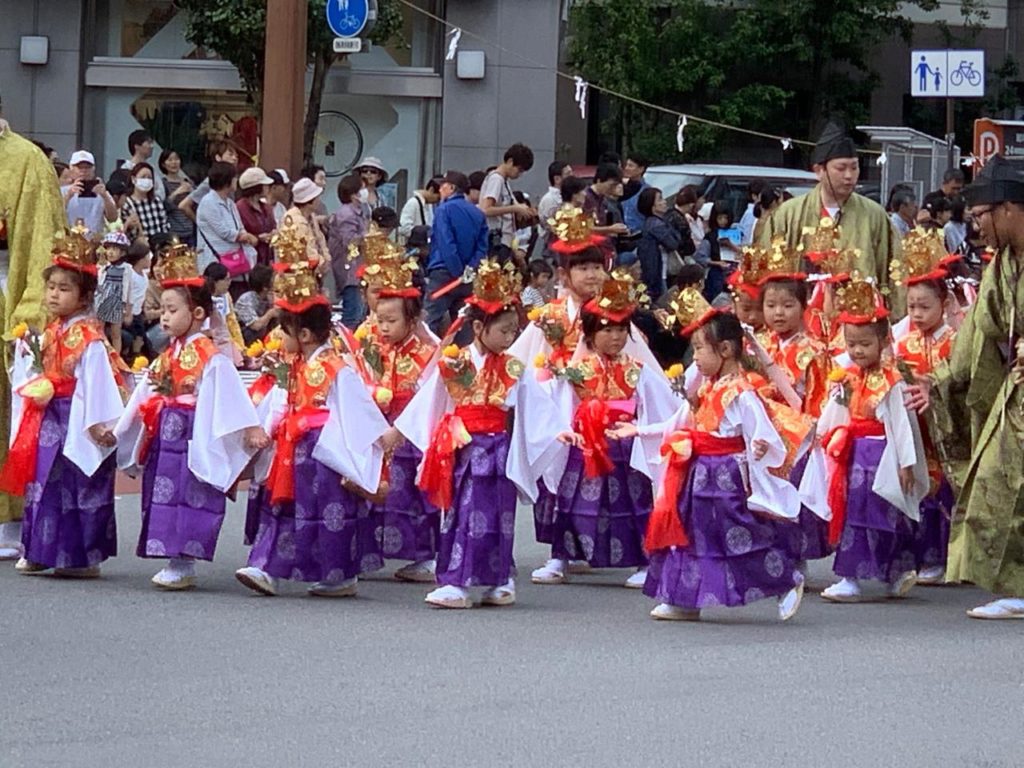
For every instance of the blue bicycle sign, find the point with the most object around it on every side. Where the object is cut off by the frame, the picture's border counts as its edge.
(347, 18)
(965, 72)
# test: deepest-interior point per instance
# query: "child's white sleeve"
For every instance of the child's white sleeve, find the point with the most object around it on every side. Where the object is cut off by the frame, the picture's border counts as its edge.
(96, 402)
(349, 442)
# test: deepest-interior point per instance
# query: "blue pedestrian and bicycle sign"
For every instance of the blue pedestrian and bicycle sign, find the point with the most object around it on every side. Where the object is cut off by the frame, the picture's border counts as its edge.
(947, 73)
(347, 18)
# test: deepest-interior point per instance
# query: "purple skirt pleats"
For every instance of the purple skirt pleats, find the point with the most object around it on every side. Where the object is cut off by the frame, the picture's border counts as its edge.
(806, 538)
(478, 532)
(544, 514)
(877, 541)
(69, 517)
(603, 519)
(407, 525)
(932, 541)
(732, 558)
(181, 515)
(326, 534)
(253, 510)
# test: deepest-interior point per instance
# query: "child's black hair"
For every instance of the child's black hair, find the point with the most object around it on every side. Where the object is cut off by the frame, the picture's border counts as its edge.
(196, 296)
(86, 283)
(689, 274)
(795, 288)
(385, 217)
(724, 327)
(540, 267)
(591, 323)
(589, 255)
(880, 327)
(939, 287)
(412, 306)
(316, 320)
(261, 277)
(475, 313)
(214, 273)
(138, 251)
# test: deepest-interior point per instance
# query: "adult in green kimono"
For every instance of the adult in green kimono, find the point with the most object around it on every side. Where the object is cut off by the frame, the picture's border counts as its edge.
(32, 213)
(862, 223)
(983, 378)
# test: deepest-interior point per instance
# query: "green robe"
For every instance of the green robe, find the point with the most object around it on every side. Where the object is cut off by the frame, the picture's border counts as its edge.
(986, 410)
(30, 199)
(864, 226)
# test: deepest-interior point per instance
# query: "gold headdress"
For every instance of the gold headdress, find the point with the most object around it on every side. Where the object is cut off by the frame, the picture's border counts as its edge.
(691, 310)
(495, 287)
(296, 286)
(782, 262)
(750, 271)
(618, 298)
(290, 242)
(820, 241)
(177, 266)
(75, 249)
(924, 258)
(859, 303)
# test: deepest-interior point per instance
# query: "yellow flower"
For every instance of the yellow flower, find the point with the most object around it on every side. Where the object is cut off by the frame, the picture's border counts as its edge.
(39, 390)
(139, 364)
(452, 350)
(255, 349)
(273, 344)
(675, 370)
(19, 331)
(533, 315)
(382, 395)
(361, 333)
(836, 375)
(539, 360)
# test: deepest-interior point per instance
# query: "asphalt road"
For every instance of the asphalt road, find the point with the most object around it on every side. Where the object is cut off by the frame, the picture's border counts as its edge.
(113, 673)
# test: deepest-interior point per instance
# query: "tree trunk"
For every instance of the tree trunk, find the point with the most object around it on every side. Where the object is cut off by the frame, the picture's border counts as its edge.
(321, 64)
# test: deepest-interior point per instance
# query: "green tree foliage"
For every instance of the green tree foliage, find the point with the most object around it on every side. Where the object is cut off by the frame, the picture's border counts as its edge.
(779, 66)
(236, 30)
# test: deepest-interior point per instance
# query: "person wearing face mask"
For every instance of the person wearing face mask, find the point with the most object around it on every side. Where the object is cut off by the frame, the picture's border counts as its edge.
(255, 211)
(142, 212)
(862, 223)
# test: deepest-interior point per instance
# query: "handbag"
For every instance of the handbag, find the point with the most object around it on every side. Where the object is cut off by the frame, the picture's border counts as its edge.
(236, 262)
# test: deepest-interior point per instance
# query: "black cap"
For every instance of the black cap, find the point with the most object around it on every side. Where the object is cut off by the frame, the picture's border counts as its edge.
(834, 142)
(1000, 181)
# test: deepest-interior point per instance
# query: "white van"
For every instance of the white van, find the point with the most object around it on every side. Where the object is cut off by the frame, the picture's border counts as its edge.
(726, 182)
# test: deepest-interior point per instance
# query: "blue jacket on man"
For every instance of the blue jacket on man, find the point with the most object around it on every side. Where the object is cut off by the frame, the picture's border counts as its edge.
(459, 237)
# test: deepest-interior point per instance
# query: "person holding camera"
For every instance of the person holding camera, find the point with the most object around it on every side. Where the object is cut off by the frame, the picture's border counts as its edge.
(86, 197)
(499, 204)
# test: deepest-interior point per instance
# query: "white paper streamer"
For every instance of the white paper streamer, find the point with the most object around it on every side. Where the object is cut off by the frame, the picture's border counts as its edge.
(786, 144)
(882, 159)
(680, 127)
(453, 44)
(968, 162)
(581, 95)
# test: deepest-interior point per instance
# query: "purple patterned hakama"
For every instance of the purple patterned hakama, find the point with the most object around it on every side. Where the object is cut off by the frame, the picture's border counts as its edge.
(477, 533)
(544, 514)
(732, 558)
(253, 509)
(603, 519)
(69, 517)
(324, 535)
(181, 515)
(932, 541)
(806, 538)
(877, 541)
(408, 526)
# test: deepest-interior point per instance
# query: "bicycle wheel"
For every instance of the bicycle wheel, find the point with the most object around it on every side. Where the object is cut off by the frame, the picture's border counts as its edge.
(956, 77)
(974, 77)
(338, 143)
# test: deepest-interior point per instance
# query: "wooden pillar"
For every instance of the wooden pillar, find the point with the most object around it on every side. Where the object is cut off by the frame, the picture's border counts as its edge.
(284, 86)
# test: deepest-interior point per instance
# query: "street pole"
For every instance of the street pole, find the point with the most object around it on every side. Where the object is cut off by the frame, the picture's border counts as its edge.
(284, 85)
(950, 134)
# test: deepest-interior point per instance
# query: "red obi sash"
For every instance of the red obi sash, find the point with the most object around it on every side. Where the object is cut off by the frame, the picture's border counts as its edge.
(665, 528)
(593, 417)
(20, 467)
(281, 480)
(838, 444)
(150, 412)
(452, 433)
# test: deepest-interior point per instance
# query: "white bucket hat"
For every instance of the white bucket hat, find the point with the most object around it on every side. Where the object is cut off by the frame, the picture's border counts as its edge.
(305, 190)
(373, 162)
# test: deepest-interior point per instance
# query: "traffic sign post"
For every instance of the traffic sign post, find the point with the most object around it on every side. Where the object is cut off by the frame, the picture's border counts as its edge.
(948, 74)
(349, 20)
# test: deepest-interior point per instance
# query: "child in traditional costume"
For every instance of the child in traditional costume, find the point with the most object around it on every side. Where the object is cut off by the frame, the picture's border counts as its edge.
(832, 266)
(929, 342)
(472, 467)
(711, 538)
(190, 425)
(68, 394)
(604, 492)
(329, 443)
(555, 329)
(876, 474)
(397, 355)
